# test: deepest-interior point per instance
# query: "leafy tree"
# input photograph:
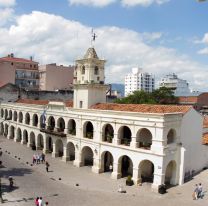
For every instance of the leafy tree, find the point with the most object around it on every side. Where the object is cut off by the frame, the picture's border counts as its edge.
(162, 95)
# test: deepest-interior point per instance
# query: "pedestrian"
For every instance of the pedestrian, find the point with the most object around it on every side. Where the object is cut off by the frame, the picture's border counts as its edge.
(43, 157)
(46, 203)
(200, 191)
(36, 201)
(37, 158)
(111, 167)
(195, 193)
(40, 201)
(47, 166)
(34, 159)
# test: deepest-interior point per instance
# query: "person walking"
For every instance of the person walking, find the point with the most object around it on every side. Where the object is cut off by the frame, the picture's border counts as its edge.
(47, 166)
(40, 201)
(34, 159)
(196, 192)
(43, 157)
(200, 191)
(36, 201)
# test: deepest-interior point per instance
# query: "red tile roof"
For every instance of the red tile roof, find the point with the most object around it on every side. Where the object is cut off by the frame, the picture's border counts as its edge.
(205, 138)
(205, 122)
(191, 99)
(142, 108)
(68, 103)
(14, 59)
(31, 101)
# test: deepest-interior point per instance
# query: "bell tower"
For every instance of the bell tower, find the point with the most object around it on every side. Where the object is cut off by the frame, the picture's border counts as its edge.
(89, 87)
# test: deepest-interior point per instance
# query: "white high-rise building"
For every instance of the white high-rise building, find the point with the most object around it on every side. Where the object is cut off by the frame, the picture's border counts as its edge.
(179, 86)
(138, 80)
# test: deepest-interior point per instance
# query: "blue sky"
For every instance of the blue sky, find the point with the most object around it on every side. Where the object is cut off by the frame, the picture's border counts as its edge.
(158, 35)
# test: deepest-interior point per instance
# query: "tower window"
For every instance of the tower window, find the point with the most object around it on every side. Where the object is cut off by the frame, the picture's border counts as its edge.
(80, 104)
(83, 69)
(96, 72)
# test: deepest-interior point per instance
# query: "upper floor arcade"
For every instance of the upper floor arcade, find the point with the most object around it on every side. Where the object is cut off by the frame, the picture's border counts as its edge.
(143, 132)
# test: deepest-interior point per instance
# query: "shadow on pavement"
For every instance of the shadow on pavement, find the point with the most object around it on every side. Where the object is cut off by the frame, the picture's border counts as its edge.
(15, 172)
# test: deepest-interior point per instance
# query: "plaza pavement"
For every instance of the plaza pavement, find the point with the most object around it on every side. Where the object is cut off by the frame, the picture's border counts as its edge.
(100, 188)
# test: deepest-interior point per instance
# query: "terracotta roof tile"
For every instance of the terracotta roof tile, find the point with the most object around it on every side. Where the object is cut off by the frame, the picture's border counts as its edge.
(14, 59)
(191, 99)
(205, 138)
(68, 103)
(142, 108)
(31, 101)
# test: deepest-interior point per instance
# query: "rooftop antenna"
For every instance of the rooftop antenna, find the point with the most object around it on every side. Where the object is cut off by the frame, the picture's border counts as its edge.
(93, 37)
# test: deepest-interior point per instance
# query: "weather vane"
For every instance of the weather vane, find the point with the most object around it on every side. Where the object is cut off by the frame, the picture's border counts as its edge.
(93, 36)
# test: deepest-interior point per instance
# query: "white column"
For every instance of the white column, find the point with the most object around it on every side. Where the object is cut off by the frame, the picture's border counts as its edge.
(116, 169)
(133, 143)
(159, 178)
(65, 157)
(54, 153)
(136, 176)
(96, 164)
(45, 145)
(78, 158)
(116, 140)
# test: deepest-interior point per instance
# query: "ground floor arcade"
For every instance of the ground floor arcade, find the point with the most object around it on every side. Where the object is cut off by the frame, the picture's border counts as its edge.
(102, 158)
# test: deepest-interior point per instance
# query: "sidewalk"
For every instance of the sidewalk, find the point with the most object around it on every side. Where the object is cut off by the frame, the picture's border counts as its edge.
(88, 181)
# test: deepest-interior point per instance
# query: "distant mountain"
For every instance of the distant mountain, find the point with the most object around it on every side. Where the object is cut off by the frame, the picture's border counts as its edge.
(118, 87)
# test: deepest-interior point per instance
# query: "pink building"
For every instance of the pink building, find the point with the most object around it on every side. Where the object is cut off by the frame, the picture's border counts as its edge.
(7, 73)
(22, 72)
(54, 77)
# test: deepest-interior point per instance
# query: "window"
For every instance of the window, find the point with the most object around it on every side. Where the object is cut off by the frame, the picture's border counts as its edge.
(80, 104)
(98, 78)
(96, 70)
(83, 69)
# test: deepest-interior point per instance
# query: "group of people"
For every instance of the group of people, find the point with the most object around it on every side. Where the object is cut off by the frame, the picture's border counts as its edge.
(198, 192)
(38, 158)
(39, 202)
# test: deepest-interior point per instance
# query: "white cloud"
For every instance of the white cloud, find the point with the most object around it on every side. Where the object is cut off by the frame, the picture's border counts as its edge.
(128, 3)
(6, 15)
(96, 3)
(142, 2)
(63, 41)
(7, 3)
(204, 40)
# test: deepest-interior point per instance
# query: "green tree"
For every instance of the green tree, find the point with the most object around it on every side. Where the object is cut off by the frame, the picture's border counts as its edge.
(162, 95)
(138, 97)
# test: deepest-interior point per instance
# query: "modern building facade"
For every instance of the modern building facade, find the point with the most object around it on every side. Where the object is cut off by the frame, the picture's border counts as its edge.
(23, 72)
(139, 80)
(180, 87)
(54, 77)
(152, 143)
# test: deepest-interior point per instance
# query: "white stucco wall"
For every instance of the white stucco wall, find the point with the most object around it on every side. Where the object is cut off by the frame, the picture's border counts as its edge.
(195, 154)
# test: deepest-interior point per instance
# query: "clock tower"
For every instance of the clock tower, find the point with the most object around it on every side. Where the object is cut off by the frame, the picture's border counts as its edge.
(89, 87)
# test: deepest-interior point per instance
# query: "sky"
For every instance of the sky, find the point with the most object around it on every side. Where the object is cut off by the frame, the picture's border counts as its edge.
(159, 36)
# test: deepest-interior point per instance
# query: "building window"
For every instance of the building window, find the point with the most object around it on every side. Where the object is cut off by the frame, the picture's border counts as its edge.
(83, 69)
(98, 78)
(96, 71)
(80, 104)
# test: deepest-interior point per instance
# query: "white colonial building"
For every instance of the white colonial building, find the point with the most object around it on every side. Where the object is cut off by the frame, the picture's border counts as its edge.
(139, 80)
(152, 143)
